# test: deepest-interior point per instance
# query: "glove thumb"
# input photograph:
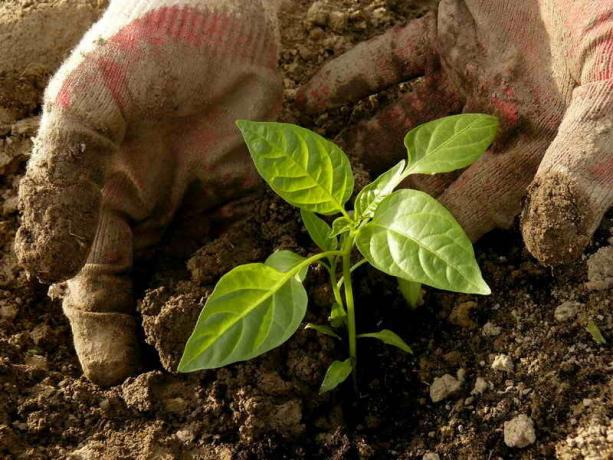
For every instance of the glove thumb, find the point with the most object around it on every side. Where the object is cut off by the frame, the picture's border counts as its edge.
(573, 187)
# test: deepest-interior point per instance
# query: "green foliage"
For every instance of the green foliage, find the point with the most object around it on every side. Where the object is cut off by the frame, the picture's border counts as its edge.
(253, 309)
(449, 143)
(323, 329)
(389, 338)
(285, 260)
(407, 234)
(319, 231)
(305, 169)
(338, 315)
(411, 291)
(371, 196)
(594, 331)
(413, 237)
(341, 225)
(336, 374)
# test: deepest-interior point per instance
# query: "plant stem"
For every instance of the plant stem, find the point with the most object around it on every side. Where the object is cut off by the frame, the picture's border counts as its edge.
(354, 267)
(346, 214)
(351, 329)
(311, 260)
(335, 286)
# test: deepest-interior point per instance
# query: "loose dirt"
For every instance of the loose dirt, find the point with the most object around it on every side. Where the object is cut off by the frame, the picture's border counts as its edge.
(524, 351)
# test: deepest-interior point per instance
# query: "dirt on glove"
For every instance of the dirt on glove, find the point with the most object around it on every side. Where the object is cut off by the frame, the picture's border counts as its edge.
(523, 350)
(557, 205)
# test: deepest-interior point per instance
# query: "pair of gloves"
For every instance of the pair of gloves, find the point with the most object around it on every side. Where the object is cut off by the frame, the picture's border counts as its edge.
(146, 103)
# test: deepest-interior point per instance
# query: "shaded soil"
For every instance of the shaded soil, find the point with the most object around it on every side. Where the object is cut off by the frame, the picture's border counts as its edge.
(554, 371)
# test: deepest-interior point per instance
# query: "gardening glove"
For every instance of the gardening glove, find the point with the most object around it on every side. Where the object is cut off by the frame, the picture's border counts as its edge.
(545, 68)
(144, 107)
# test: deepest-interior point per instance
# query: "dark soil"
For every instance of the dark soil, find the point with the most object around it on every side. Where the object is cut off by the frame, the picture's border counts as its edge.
(270, 408)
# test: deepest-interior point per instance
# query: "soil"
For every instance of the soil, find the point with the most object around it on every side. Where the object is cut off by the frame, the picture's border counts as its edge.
(27, 60)
(524, 350)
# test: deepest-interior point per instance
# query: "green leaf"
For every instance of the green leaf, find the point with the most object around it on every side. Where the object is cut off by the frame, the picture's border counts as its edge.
(338, 315)
(305, 169)
(323, 329)
(413, 237)
(411, 291)
(319, 231)
(449, 143)
(253, 309)
(340, 225)
(389, 338)
(285, 260)
(336, 374)
(373, 194)
(594, 331)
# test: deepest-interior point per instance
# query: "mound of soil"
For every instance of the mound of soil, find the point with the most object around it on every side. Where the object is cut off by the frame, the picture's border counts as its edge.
(35, 40)
(478, 362)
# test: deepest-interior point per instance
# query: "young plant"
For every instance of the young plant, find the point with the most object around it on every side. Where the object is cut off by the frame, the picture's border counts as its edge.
(406, 233)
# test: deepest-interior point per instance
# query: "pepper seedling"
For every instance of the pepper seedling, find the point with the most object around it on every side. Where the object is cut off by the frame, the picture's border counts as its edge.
(405, 233)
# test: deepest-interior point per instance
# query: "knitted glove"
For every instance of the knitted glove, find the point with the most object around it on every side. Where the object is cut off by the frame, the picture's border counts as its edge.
(143, 107)
(544, 67)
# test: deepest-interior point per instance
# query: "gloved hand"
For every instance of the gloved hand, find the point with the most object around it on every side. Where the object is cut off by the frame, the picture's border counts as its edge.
(143, 107)
(545, 68)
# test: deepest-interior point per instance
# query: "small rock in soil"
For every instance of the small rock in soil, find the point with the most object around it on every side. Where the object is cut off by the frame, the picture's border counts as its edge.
(600, 269)
(490, 329)
(138, 392)
(185, 436)
(519, 432)
(566, 311)
(338, 21)
(460, 315)
(443, 387)
(8, 312)
(503, 363)
(480, 386)
(83, 453)
(431, 456)
(318, 14)
(175, 405)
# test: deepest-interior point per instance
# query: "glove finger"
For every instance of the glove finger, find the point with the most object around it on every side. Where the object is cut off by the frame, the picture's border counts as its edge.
(379, 141)
(488, 194)
(100, 306)
(60, 194)
(573, 187)
(397, 55)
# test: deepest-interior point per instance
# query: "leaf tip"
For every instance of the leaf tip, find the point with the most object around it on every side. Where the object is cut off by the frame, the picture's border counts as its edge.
(243, 125)
(495, 123)
(483, 288)
(183, 366)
